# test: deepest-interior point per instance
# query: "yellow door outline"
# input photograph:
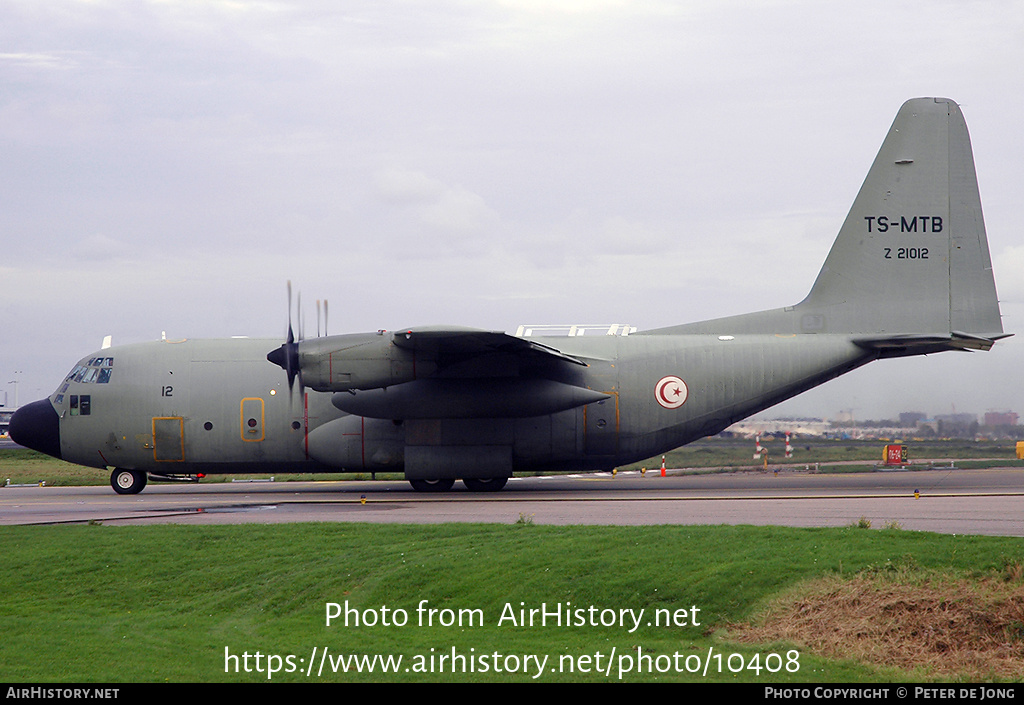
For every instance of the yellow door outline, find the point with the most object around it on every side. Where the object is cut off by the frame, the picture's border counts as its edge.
(163, 443)
(251, 433)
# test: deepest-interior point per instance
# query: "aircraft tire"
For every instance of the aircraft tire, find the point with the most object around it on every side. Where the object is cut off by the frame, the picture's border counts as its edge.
(128, 481)
(432, 485)
(489, 484)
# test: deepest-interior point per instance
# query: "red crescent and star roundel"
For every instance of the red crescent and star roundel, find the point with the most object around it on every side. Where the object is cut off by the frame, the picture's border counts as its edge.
(670, 392)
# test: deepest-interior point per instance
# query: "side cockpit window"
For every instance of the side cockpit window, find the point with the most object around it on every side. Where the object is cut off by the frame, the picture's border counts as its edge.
(81, 405)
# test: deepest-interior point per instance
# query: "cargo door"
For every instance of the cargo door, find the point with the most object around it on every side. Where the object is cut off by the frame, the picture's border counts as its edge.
(168, 439)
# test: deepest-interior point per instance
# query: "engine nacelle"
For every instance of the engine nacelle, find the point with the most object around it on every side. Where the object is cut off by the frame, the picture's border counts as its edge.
(500, 398)
(362, 361)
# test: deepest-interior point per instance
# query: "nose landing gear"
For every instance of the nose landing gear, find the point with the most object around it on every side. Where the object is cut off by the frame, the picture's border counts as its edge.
(128, 481)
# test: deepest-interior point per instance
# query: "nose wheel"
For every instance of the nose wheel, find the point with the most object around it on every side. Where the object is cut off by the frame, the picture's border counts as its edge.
(127, 481)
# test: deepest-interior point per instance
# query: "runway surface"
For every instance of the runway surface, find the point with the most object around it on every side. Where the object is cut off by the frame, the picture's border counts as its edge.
(958, 501)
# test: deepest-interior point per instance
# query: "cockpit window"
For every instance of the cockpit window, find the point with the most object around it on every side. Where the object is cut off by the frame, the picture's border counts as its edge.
(97, 370)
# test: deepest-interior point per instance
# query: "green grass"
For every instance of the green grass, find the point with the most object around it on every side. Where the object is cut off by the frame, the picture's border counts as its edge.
(161, 603)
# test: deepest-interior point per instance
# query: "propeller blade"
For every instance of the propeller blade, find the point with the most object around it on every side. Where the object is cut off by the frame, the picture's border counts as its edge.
(291, 335)
(287, 356)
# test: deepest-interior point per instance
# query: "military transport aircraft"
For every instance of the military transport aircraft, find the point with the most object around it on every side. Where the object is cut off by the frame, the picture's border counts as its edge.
(909, 274)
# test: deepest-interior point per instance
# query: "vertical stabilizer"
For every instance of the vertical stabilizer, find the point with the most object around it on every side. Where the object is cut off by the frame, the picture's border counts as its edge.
(912, 256)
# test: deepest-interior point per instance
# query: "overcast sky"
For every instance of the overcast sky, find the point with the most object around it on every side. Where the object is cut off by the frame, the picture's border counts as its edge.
(168, 166)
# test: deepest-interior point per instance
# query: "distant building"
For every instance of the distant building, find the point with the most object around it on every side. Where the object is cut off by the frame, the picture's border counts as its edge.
(1001, 418)
(951, 425)
(748, 428)
(844, 417)
(6, 413)
(910, 419)
(963, 419)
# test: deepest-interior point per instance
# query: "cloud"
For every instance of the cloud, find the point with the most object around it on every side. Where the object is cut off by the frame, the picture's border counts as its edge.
(482, 163)
(430, 219)
(404, 186)
(37, 60)
(1007, 264)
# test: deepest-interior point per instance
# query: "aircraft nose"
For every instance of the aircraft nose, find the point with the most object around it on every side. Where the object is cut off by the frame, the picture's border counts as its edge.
(37, 426)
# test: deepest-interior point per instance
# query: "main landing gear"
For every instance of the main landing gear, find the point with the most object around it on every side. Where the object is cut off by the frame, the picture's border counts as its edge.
(432, 485)
(489, 484)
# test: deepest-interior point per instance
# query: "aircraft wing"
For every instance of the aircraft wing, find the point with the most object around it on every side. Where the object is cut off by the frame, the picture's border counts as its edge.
(442, 342)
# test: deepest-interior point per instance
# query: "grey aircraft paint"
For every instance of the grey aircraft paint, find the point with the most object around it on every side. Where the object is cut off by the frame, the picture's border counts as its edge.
(909, 273)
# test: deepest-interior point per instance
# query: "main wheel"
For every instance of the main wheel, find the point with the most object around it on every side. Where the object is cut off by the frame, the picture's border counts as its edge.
(489, 484)
(432, 485)
(127, 481)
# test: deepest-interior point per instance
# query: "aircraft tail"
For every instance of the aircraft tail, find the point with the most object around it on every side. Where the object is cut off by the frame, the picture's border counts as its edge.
(910, 269)
(912, 256)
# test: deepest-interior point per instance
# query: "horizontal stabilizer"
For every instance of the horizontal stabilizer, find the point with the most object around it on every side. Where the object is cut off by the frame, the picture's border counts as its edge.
(901, 345)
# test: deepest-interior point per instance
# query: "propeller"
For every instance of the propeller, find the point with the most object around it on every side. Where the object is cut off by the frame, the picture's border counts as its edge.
(287, 356)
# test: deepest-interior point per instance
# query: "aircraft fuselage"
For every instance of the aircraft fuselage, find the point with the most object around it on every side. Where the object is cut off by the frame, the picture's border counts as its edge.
(217, 406)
